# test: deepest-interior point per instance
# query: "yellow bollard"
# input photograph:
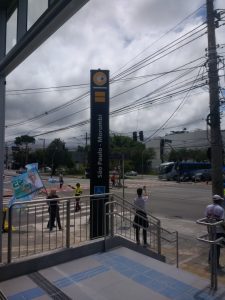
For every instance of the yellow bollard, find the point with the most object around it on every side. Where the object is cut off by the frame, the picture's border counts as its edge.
(5, 226)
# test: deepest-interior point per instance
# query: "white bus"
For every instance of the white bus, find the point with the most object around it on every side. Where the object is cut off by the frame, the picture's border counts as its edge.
(181, 170)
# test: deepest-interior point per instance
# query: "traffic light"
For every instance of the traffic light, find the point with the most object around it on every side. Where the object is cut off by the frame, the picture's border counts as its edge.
(141, 136)
(135, 136)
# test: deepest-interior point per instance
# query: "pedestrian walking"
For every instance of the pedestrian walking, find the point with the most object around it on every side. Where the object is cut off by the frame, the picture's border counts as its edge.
(53, 209)
(78, 191)
(61, 181)
(215, 212)
(113, 180)
(140, 219)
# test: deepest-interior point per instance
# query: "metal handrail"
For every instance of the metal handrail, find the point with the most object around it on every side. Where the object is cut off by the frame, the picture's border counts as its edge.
(31, 238)
(203, 239)
(66, 203)
(158, 224)
(113, 213)
(209, 222)
(210, 238)
(124, 201)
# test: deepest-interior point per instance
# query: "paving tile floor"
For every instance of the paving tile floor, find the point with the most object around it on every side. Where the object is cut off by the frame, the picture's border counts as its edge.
(118, 274)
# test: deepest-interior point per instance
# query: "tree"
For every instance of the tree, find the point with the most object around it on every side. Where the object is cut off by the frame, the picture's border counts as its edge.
(57, 155)
(24, 140)
(132, 151)
(147, 156)
(37, 156)
(188, 154)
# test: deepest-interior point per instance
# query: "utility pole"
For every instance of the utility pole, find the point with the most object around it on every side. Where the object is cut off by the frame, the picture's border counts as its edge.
(6, 156)
(86, 150)
(86, 139)
(3, 22)
(214, 102)
(43, 157)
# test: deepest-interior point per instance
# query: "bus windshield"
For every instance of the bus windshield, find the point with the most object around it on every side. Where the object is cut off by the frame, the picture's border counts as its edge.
(166, 168)
(167, 171)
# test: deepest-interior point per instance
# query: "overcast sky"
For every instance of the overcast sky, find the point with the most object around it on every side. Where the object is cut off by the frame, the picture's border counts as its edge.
(157, 96)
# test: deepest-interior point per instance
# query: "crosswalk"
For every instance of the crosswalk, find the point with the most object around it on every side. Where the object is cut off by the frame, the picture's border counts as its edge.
(7, 192)
(38, 213)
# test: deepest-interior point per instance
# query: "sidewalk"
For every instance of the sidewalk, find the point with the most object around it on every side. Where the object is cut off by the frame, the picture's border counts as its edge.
(193, 254)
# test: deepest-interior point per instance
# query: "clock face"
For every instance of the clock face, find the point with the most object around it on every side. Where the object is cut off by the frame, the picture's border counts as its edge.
(100, 78)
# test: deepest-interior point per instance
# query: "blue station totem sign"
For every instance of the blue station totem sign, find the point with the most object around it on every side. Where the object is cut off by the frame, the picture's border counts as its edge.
(99, 150)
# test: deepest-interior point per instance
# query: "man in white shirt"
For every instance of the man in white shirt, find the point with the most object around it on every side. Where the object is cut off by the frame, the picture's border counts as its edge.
(140, 219)
(215, 212)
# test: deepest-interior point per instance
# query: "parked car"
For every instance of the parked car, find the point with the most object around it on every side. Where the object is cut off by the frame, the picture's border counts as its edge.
(202, 176)
(131, 173)
(48, 169)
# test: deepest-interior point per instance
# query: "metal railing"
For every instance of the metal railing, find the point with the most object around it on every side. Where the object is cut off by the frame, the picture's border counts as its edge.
(28, 233)
(121, 214)
(211, 239)
(170, 246)
(121, 223)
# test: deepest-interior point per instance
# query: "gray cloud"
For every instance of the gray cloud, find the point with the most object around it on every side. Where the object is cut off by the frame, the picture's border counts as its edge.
(109, 35)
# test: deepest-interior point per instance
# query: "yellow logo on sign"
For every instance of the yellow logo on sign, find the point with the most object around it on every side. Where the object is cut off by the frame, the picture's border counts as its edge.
(100, 97)
(99, 78)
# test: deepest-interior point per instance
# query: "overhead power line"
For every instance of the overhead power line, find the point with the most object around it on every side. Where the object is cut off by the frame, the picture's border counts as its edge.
(31, 91)
(146, 60)
(47, 113)
(85, 122)
(163, 96)
(165, 34)
(79, 98)
(171, 116)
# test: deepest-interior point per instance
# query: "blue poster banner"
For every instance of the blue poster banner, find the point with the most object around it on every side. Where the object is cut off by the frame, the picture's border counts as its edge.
(25, 198)
(32, 166)
(26, 183)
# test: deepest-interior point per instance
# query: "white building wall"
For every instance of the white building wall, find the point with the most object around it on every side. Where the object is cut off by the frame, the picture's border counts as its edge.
(198, 139)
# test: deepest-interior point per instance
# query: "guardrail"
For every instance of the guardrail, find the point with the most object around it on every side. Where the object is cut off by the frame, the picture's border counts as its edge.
(28, 234)
(211, 239)
(121, 219)
(121, 223)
